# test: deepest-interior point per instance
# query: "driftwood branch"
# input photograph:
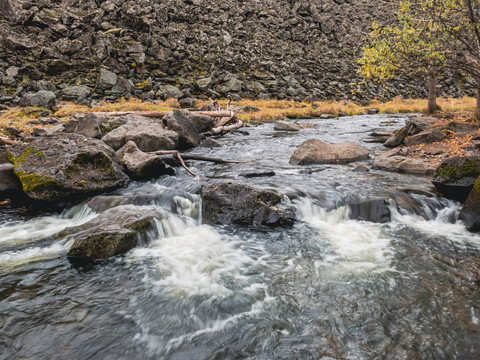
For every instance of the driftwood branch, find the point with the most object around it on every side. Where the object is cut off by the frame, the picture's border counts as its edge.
(179, 157)
(197, 157)
(219, 129)
(161, 114)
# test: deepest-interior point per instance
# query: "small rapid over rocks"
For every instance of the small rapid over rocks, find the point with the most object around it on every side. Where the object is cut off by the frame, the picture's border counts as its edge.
(335, 283)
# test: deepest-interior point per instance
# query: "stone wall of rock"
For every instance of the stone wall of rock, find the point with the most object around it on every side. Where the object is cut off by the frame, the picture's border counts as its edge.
(83, 49)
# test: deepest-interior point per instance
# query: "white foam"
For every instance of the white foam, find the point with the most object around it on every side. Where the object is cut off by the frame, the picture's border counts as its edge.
(192, 260)
(43, 227)
(359, 246)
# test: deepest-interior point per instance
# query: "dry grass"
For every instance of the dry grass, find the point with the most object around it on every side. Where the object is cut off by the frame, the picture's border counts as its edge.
(268, 109)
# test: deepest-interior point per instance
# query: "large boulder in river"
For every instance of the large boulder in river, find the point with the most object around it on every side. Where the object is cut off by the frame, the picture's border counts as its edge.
(470, 213)
(188, 134)
(113, 232)
(64, 167)
(314, 151)
(146, 134)
(241, 204)
(141, 166)
(455, 176)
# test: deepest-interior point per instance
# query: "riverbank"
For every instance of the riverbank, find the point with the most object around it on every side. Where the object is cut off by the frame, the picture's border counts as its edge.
(27, 119)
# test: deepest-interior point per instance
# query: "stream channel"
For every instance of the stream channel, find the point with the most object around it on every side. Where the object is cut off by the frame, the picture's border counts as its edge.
(327, 288)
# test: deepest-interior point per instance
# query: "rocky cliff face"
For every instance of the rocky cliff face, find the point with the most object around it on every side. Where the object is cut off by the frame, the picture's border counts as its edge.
(157, 49)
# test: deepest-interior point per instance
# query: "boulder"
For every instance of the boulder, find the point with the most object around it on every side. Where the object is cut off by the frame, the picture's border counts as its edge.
(203, 123)
(455, 176)
(425, 137)
(188, 135)
(141, 166)
(48, 131)
(286, 126)
(376, 211)
(235, 203)
(210, 143)
(44, 98)
(79, 92)
(373, 111)
(65, 167)
(314, 151)
(93, 125)
(187, 102)
(397, 138)
(106, 79)
(146, 134)
(113, 232)
(470, 213)
(172, 92)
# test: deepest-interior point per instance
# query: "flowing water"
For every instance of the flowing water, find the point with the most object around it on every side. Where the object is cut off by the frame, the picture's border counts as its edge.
(328, 288)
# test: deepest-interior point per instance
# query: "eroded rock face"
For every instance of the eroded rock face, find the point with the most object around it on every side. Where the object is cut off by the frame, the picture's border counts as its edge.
(141, 166)
(113, 232)
(314, 151)
(455, 176)
(235, 203)
(146, 134)
(470, 213)
(65, 166)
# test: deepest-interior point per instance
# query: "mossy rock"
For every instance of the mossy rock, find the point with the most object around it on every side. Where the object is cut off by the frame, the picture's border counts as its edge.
(65, 167)
(470, 213)
(113, 232)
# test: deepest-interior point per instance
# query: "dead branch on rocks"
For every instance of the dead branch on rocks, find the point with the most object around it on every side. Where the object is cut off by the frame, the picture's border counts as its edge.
(197, 157)
(219, 129)
(6, 141)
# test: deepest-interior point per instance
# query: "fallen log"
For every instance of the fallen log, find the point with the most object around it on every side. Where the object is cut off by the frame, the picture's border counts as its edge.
(161, 114)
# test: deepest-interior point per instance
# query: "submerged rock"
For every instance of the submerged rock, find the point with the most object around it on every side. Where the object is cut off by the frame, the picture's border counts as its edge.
(141, 166)
(236, 203)
(286, 126)
(65, 167)
(376, 211)
(314, 151)
(455, 176)
(113, 232)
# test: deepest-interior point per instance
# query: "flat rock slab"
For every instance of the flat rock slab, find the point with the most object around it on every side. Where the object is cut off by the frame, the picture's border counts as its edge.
(403, 164)
(315, 151)
(64, 167)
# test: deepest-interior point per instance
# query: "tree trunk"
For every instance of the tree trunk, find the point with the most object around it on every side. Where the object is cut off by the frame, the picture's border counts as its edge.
(477, 96)
(432, 93)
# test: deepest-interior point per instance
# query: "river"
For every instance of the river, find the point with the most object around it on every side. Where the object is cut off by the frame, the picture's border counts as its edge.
(328, 288)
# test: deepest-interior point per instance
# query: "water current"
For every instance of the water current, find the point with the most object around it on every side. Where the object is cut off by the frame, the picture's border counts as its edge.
(328, 288)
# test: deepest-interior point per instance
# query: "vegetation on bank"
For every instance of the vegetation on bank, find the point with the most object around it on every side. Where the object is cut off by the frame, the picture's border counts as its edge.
(26, 119)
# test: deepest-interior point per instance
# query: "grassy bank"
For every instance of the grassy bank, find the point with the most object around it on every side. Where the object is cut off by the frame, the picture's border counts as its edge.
(264, 110)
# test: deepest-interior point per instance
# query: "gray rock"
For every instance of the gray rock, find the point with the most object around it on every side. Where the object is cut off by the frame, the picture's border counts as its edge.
(204, 84)
(396, 161)
(106, 79)
(141, 166)
(187, 102)
(235, 203)
(314, 151)
(188, 135)
(202, 123)
(376, 211)
(123, 86)
(93, 125)
(113, 232)
(79, 92)
(43, 98)
(455, 176)
(359, 167)
(85, 167)
(12, 71)
(397, 138)
(286, 126)
(172, 92)
(234, 85)
(210, 143)
(146, 134)
(427, 136)
(373, 111)
(48, 131)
